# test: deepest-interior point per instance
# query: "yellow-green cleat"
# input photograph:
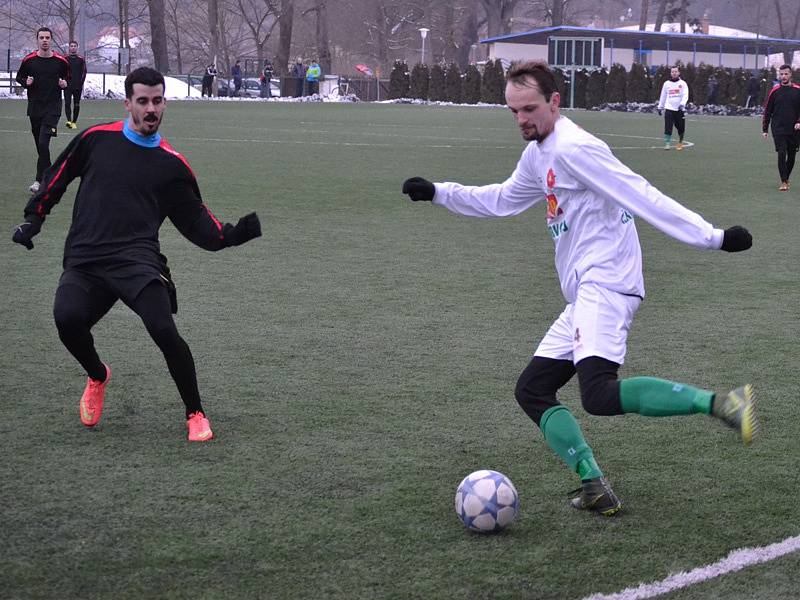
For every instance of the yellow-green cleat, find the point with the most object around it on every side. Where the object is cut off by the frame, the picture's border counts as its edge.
(596, 495)
(737, 410)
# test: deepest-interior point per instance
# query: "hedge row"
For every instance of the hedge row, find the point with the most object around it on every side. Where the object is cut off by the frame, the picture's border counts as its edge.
(448, 84)
(707, 84)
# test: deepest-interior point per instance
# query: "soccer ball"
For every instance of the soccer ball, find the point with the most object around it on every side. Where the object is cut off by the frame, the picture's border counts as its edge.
(486, 501)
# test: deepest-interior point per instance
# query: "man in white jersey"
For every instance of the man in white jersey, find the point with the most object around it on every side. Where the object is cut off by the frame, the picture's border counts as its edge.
(674, 96)
(591, 199)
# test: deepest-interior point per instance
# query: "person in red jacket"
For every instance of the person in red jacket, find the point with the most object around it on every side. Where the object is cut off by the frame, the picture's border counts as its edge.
(131, 180)
(782, 110)
(43, 74)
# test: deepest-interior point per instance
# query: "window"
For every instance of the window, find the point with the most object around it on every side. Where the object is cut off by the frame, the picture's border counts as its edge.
(574, 52)
(642, 56)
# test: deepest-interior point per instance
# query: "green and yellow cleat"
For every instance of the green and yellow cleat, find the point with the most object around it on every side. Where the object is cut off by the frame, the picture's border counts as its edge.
(596, 495)
(737, 410)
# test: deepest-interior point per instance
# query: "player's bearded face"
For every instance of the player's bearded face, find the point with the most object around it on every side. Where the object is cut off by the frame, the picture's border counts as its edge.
(146, 107)
(785, 75)
(534, 114)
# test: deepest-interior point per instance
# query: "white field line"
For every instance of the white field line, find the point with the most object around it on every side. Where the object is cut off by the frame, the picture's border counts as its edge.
(735, 561)
(390, 145)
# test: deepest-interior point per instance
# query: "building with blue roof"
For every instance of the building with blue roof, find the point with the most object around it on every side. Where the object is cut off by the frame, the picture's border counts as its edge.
(569, 47)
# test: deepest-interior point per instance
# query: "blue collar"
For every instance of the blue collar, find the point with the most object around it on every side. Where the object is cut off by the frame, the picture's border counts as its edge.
(146, 141)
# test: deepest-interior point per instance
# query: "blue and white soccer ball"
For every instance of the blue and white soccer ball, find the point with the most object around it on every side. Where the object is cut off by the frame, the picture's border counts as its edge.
(486, 501)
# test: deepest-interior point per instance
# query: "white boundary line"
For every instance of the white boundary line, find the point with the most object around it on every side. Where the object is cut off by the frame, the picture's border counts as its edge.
(386, 145)
(735, 561)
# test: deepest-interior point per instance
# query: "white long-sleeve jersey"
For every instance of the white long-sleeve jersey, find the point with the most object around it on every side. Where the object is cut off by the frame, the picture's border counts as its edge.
(674, 94)
(591, 198)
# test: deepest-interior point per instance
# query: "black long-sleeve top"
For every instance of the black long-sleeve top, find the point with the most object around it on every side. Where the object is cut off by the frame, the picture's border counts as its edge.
(126, 192)
(782, 108)
(44, 94)
(77, 71)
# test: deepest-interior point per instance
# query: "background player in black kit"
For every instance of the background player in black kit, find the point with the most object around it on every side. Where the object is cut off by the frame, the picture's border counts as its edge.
(782, 109)
(131, 180)
(74, 89)
(43, 74)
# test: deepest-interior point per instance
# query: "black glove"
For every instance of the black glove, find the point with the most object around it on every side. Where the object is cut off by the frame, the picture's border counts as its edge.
(246, 229)
(24, 232)
(659, 112)
(736, 239)
(419, 189)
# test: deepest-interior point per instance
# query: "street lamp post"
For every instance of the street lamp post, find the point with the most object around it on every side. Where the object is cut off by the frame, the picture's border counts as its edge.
(423, 31)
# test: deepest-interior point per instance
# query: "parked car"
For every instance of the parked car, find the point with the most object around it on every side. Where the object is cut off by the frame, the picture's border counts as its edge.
(251, 87)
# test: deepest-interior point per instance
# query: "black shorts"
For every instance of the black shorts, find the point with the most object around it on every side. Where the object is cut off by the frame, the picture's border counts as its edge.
(785, 142)
(123, 279)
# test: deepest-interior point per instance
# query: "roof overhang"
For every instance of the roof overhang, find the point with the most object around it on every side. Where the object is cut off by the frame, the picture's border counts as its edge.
(626, 38)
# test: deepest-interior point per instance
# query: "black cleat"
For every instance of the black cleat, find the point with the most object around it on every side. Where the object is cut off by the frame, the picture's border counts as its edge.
(596, 495)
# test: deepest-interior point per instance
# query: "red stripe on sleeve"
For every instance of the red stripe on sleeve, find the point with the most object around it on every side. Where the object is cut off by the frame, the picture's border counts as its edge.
(103, 127)
(166, 146)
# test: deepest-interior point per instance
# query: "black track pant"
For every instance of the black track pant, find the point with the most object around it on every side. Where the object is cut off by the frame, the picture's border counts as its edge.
(543, 377)
(786, 147)
(77, 310)
(42, 130)
(72, 104)
(674, 117)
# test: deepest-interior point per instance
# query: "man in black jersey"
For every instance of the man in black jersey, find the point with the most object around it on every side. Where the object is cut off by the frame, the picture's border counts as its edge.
(782, 109)
(131, 180)
(74, 90)
(43, 74)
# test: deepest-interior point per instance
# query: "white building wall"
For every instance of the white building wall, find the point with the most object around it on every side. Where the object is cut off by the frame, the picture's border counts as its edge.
(510, 52)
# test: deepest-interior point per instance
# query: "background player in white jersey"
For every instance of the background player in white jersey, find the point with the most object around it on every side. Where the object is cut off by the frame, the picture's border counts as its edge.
(591, 198)
(673, 99)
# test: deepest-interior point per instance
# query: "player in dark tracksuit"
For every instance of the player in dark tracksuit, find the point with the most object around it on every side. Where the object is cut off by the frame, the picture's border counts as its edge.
(43, 74)
(74, 89)
(782, 110)
(131, 180)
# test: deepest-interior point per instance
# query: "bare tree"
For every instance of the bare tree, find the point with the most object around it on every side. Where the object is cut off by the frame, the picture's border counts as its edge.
(285, 27)
(790, 27)
(644, 14)
(158, 35)
(499, 13)
(684, 14)
(320, 11)
(260, 18)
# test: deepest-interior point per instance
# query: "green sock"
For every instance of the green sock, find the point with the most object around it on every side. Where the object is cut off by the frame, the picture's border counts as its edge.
(652, 397)
(667, 138)
(563, 435)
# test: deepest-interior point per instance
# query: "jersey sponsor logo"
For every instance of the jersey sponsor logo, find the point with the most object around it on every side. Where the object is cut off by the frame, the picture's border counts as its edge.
(553, 209)
(626, 217)
(556, 229)
(551, 179)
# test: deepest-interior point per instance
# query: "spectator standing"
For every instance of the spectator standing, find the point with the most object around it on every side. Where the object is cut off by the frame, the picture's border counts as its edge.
(782, 110)
(74, 89)
(313, 75)
(753, 90)
(712, 89)
(208, 80)
(299, 73)
(43, 74)
(236, 73)
(266, 79)
(674, 96)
